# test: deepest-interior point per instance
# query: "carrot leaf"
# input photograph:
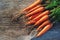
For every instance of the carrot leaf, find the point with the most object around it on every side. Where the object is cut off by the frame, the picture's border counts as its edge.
(56, 13)
(52, 4)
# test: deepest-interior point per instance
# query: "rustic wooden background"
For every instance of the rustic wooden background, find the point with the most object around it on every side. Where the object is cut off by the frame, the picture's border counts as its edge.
(9, 8)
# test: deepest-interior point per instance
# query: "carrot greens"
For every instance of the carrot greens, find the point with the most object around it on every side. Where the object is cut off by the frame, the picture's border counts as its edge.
(55, 14)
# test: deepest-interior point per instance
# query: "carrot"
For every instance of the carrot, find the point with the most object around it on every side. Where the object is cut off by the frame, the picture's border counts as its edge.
(43, 24)
(38, 17)
(33, 16)
(36, 11)
(31, 21)
(41, 20)
(32, 5)
(44, 30)
(41, 15)
(34, 8)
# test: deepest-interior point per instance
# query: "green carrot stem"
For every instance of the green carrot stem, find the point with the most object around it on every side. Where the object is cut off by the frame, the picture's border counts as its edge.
(52, 4)
(55, 12)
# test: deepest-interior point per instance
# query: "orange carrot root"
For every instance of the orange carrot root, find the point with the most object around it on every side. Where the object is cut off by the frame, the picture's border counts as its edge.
(32, 5)
(41, 15)
(34, 8)
(35, 11)
(33, 16)
(44, 30)
(43, 24)
(41, 20)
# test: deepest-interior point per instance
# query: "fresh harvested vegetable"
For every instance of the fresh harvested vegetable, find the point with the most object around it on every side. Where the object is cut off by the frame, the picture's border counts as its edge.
(34, 8)
(44, 30)
(32, 17)
(52, 4)
(38, 17)
(43, 24)
(36, 11)
(39, 21)
(32, 5)
(55, 12)
(41, 15)
(55, 15)
(44, 18)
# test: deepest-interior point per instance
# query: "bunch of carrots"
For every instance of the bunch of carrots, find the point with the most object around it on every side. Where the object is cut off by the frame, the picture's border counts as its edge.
(42, 16)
